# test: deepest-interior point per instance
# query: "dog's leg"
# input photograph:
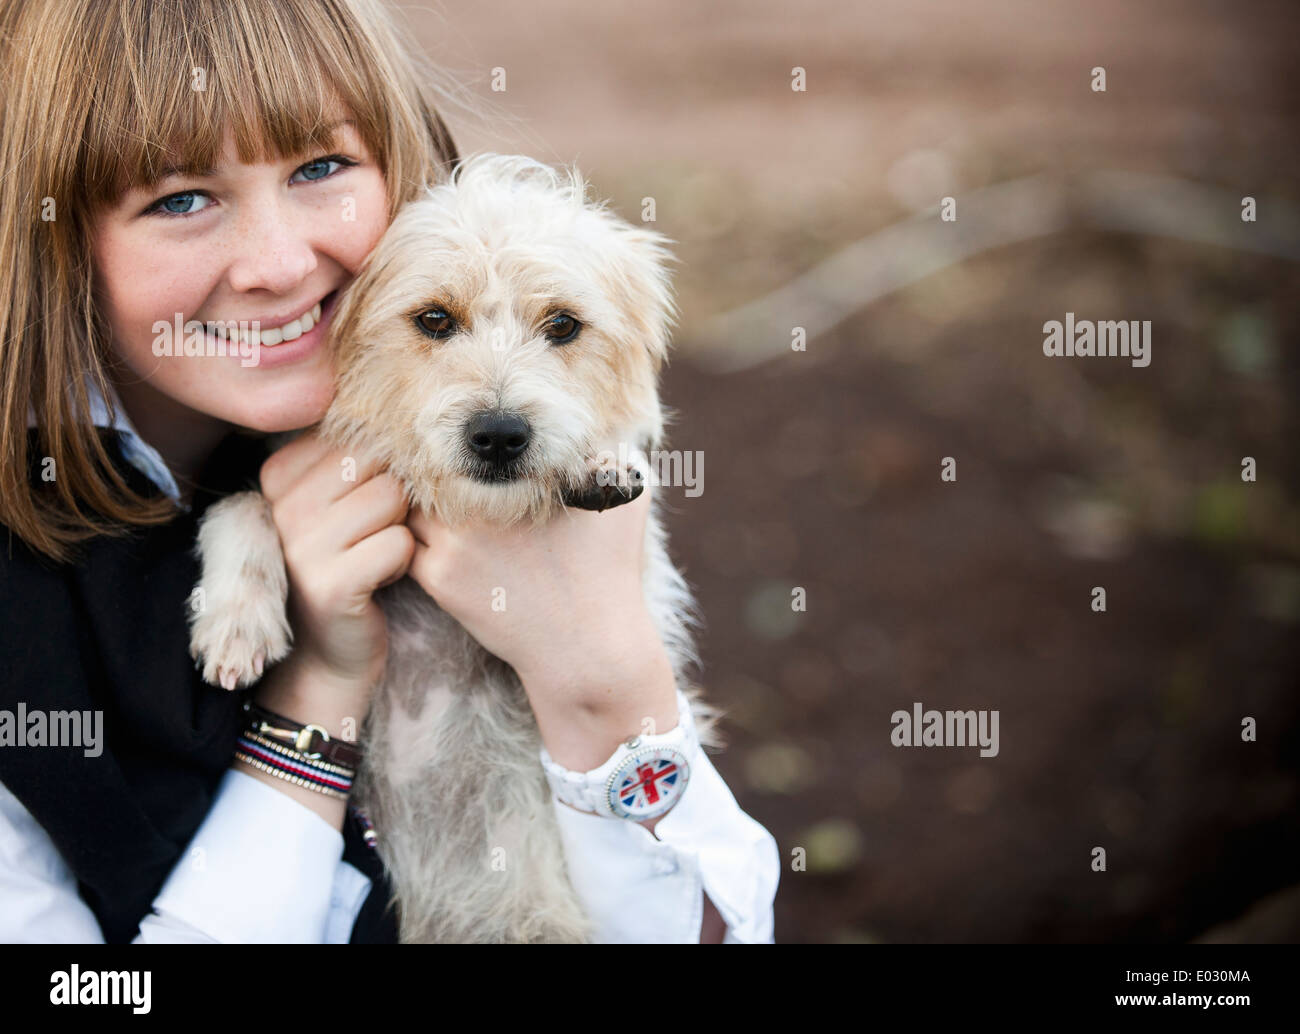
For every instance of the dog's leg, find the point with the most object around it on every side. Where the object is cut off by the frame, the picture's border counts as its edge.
(237, 615)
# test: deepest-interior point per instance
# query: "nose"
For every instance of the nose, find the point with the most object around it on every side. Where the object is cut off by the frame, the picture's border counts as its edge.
(282, 255)
(497, 438)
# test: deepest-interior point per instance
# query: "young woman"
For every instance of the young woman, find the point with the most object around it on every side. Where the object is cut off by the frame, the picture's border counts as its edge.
(238, 160)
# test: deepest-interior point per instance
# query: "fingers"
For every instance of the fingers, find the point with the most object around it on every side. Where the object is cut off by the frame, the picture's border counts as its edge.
(324, 482)
(367, 509)
(429, 535)
(285, 466)
(380, 559)
(425, 527)
(429, 567)
(309, 468)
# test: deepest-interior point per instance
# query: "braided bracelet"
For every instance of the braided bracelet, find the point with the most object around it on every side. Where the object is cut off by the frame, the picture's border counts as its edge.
(283, 763)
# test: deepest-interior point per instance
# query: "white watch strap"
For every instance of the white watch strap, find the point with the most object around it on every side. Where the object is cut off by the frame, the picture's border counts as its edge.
(643, 778)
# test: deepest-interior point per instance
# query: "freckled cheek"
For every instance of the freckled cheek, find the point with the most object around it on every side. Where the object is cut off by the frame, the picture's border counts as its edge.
(356, 238)
(133, 307)
(138, 283)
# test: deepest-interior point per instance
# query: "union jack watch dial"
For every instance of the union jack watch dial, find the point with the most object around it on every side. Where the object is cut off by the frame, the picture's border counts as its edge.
(648, 783)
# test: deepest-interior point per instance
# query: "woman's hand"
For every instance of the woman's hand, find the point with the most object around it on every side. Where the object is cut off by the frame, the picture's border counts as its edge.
(342, 540)
(563, 604)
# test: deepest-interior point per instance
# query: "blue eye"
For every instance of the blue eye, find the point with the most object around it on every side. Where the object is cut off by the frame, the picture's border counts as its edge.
(318, 170)
(184, 203)
(181, 204)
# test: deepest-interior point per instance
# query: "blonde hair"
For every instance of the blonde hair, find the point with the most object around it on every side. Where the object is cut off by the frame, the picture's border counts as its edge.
(101, 96)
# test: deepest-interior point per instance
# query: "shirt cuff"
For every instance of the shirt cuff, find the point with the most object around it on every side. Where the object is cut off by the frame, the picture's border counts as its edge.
(261, 869)
(643, 887)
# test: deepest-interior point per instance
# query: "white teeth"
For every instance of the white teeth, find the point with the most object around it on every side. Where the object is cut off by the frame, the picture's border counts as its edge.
(289, 332)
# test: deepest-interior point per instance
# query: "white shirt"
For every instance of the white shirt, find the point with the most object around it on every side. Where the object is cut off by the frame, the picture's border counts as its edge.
(257, 845)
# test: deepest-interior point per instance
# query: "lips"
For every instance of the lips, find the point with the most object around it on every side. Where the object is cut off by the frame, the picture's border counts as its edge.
(284, 352)
(252, 332)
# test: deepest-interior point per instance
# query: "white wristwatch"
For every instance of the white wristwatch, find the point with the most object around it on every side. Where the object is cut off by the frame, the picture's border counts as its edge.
(644, 778)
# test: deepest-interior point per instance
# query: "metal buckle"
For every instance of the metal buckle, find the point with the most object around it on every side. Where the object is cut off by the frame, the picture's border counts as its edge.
(301, 737)
(303, 740)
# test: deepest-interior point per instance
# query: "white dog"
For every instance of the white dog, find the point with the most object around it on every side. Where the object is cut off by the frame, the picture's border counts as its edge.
(502, 340)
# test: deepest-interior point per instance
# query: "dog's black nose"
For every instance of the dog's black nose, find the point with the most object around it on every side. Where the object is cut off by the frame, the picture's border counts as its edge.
(497, 438)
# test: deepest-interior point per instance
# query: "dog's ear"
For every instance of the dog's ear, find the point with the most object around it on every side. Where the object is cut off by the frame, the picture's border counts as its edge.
(640, 272)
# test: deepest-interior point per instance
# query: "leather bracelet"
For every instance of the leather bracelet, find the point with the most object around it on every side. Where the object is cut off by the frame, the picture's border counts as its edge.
(311, 741)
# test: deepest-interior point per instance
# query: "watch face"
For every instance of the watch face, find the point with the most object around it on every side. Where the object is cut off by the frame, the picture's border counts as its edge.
(648, 783)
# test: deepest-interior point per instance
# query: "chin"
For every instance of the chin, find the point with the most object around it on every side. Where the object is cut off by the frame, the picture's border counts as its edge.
(276, 407)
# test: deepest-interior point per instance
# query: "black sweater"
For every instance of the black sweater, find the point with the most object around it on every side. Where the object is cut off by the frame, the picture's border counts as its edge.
(108, 632)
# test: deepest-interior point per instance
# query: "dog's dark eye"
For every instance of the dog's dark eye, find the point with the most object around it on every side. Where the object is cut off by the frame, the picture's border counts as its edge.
(436, 323)
(562, 329)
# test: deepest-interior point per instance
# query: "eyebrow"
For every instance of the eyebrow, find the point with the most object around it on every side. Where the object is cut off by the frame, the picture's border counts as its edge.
(168, 171)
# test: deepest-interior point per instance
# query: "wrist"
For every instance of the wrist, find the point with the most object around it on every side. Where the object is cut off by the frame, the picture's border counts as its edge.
(302, 689)
(641, 780)
(600, 670)
(583, 722)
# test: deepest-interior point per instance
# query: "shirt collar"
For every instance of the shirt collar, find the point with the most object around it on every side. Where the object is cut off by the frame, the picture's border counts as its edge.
(135, 450)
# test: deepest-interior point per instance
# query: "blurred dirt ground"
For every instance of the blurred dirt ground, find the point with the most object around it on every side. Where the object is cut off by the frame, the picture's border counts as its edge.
(1119, 730)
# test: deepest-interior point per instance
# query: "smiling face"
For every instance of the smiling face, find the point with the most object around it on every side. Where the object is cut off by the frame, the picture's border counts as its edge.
(504, 333)
(264, 244)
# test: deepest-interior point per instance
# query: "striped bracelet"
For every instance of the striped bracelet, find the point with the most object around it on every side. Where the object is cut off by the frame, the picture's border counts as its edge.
(284, 750)
(277, 760)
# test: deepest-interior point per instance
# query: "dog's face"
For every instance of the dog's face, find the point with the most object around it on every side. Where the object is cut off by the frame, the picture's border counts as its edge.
(503, 335)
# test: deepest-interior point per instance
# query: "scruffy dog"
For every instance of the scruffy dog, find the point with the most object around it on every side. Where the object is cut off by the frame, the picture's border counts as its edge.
(502, 340)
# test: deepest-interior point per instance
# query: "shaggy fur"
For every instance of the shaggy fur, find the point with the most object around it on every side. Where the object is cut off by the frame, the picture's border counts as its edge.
(452, 779)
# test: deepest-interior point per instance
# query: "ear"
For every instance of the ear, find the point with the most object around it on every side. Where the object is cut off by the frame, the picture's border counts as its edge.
(641, 269)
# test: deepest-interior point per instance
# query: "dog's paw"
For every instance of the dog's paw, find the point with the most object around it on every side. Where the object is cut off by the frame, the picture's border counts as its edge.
(232, 641)
(608, 485)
